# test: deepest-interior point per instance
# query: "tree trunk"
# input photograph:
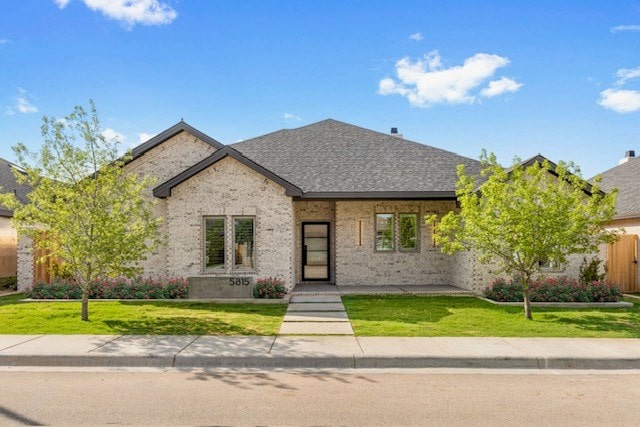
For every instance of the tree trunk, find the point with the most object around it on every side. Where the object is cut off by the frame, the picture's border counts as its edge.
(84, 314)
(525, 294)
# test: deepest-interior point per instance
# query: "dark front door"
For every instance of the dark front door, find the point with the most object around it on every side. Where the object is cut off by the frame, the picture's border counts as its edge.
(315, 251)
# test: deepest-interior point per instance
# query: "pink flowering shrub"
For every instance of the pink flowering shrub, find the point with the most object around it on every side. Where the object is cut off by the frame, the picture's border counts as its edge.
(270, 288)
(120, 288)
(554, 289)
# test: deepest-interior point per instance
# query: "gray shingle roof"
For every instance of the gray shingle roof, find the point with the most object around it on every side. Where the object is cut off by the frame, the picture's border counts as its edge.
(332, 157)
(8, 184)
(626, 178)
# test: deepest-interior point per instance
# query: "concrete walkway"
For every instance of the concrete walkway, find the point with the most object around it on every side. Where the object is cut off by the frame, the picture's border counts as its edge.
(318, 352)
(316, 315)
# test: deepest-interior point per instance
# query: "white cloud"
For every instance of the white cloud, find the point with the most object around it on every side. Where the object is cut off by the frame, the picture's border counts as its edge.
(498, 87)
(144, 137)
(416, 36)
(427, 82)
(130, 12)
(112, 135)
(4, 41)
(23, 104)
(626, 74)
(61, 3)
(620, 100)
(289, 116)
(625, 28)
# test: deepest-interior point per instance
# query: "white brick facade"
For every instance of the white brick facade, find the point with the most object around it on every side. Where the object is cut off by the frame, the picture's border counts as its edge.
(163, 163)
(229, 188)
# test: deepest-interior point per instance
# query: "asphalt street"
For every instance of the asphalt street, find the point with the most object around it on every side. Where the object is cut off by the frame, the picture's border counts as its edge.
(145, 396)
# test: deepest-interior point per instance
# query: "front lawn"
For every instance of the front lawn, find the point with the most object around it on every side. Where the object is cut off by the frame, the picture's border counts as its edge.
(424, 316)
(139, 317)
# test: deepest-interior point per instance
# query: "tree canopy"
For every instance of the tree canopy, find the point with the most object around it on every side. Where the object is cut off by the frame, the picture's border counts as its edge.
(521, 216)
(84, 210)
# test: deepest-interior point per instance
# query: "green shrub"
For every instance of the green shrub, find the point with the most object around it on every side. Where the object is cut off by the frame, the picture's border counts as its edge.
(270, 288)
(590, 271)
(9, 282)
(121, 288)
(560, 289)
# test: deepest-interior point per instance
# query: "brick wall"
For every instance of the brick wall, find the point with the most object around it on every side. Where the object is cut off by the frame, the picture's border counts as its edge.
(357, 262)
(229, 188)
(164, 162)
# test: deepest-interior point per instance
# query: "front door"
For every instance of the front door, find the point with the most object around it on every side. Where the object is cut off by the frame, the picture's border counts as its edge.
(315, 251)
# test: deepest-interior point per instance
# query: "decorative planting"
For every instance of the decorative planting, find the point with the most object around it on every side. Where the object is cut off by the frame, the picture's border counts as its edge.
(269, 288)
(121, 288)
(561, 289)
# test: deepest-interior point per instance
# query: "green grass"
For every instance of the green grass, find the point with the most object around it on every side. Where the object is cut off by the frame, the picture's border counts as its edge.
(139, 317)
(423, 316)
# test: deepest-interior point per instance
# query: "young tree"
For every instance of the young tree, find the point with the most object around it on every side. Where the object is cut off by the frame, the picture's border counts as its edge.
(84, 210)
(524, 215)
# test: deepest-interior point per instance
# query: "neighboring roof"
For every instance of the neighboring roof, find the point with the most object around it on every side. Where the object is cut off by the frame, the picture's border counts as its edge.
(626, 178)
(8, 184)
(171, 132)
(332, 159)
(164, 190)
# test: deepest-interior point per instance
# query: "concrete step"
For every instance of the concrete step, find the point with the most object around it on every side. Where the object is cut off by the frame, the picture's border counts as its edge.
(315, 306)
(316, 298)
(316, 316)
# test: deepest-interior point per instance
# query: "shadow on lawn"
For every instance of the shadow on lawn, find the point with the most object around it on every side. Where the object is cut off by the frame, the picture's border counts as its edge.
(179, 325)
(601, 323)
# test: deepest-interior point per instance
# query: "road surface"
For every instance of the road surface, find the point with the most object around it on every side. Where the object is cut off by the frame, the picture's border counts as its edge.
(402, 397)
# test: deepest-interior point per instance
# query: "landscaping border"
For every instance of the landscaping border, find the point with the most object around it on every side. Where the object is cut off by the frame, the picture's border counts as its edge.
(284, 300)
(619, 304)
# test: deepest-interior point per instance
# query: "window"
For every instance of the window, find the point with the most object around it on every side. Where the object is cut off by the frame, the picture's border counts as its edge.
(550, 264)
(385, 233)
(214, 248)
(408, 233)
(243, 231)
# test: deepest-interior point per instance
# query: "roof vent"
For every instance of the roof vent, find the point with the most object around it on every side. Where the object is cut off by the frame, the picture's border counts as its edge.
(394, 132)
(628, 155)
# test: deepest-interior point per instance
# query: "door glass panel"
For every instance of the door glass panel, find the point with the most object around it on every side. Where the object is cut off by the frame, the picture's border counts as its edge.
(316, 243)
(315, 272)
(316, 257)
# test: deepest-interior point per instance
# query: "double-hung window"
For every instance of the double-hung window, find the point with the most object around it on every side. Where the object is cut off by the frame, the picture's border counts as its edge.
(243, 242)
(385, 232)
(214, 246)
(408, 232)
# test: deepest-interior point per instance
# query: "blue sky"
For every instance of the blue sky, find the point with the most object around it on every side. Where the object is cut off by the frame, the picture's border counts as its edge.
(561, 78)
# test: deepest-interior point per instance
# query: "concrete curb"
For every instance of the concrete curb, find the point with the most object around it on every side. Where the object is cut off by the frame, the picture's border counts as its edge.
(328, 362)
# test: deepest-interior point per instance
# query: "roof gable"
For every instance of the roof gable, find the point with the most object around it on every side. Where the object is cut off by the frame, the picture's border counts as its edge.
(171, 132)
(164, 189)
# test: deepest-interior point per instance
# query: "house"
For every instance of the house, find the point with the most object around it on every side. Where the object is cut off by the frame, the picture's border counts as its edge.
(622, 256)
(8, 235)
(329, 202)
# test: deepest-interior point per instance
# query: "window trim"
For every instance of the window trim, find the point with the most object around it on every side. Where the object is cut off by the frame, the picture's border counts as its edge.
(234, 266)
(416, 248)
(222, 267)
(393, 231)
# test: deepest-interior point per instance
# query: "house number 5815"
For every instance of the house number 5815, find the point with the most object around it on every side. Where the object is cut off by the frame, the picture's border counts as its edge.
(239, 281)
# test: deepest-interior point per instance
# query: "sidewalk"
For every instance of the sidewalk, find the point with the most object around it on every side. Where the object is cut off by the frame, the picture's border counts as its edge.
(318, 352)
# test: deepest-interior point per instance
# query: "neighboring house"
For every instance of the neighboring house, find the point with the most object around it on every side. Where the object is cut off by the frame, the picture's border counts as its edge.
(622, 256)
(325, 203)
(8, 236)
